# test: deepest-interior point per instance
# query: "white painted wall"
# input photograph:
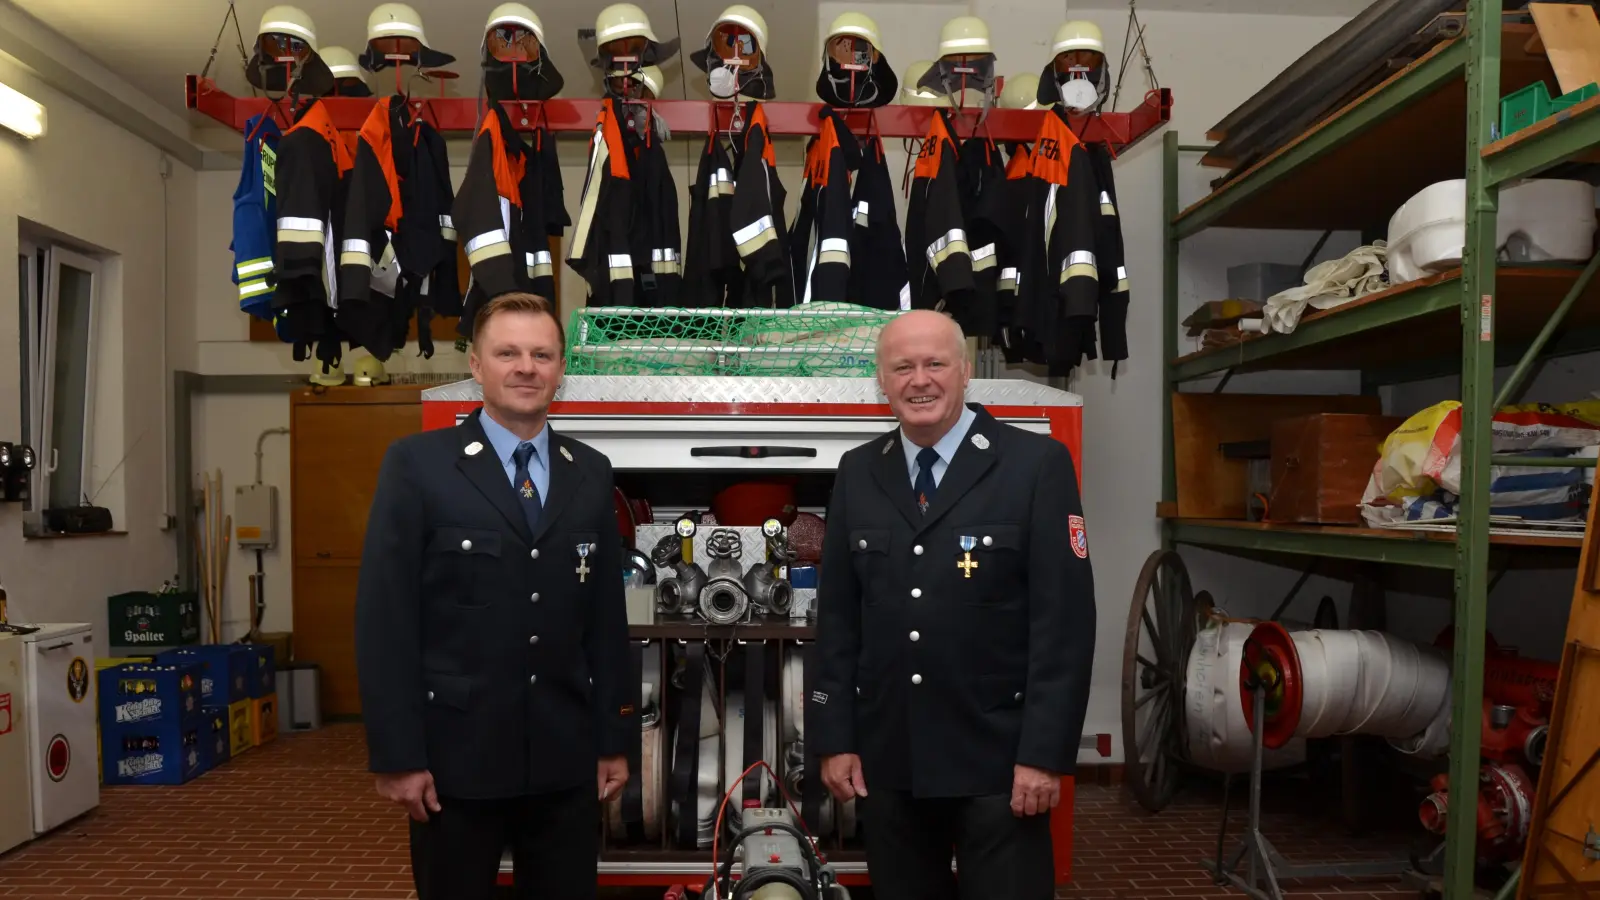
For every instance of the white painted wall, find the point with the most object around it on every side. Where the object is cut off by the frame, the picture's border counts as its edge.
(92, 181)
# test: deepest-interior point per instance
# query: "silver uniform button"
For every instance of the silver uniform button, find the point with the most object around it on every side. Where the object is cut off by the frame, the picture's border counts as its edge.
(862, 544)
(466, 545)
(534, 639)
(535, 597)
(858, 692)
(430, 695)
(915, 593)
(916, 679)
(917, 549)
(915, 636)
(988, 541)
(1018, 696)
(536, 553)
(533, 679)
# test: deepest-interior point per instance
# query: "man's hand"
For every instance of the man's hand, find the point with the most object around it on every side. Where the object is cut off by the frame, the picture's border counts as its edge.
(1034, 791)
(412, 790)
(841, 774)
(612, 775)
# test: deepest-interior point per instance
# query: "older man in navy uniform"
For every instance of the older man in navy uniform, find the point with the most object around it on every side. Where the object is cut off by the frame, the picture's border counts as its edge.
(491, 631)
(955, 634)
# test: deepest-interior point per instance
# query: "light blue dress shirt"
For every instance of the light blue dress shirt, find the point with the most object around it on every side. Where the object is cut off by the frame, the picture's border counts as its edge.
(505, 444)
(946, 447)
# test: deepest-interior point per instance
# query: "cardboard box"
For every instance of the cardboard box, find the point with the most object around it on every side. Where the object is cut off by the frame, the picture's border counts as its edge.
(241, 731)
(225, 670)
(263, 719)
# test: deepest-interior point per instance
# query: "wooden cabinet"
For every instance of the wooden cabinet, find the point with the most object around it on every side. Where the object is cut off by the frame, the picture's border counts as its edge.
(338, 438)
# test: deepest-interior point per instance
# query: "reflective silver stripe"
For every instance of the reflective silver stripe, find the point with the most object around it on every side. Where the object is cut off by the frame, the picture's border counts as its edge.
(861, 208)
(1122, 273)
(619, 260)
(252, 288)
(251, 268)
(356, 246)
(905, 296)
(530, 260)
(446, 222)
(983, 253)
(1079, 258)
(496, 236)
(835, 245)
(752, 231)
(664, 255)
(1008, 274)
(297, 223)
(952, 236)
(541, 257)
(1105, 197)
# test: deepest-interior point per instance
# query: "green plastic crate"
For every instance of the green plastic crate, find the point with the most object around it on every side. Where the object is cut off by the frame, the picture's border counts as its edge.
(141, 620)
(1522, 108)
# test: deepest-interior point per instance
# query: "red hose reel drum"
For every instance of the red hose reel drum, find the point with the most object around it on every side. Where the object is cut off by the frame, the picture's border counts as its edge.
(1270, 656)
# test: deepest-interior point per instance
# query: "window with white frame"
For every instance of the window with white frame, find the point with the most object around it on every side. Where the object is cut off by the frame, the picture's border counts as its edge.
(60, 305)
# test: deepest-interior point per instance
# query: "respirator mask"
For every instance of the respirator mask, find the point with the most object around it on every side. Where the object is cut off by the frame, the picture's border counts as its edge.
(1077, 79)
(734, 64)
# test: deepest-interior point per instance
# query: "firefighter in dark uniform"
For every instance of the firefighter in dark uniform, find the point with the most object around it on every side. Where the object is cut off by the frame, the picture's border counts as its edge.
(955, 633)
(491, 631)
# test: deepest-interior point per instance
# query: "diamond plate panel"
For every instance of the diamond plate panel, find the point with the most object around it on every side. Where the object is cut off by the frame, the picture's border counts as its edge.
(725, 389)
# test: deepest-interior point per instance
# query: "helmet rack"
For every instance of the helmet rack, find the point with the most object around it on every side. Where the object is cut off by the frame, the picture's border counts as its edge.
(1119, 130)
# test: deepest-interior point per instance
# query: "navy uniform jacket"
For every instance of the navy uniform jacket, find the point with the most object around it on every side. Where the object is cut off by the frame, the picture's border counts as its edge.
(484, 655)
(941, 678)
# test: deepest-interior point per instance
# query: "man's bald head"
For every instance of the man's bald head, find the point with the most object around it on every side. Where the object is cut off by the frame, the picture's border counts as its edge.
(923, 370)
(916, 326)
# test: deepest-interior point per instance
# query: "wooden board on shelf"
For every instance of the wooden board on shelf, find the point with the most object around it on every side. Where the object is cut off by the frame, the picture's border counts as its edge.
(1570, 36)
(1211, 487)
(1501, 539)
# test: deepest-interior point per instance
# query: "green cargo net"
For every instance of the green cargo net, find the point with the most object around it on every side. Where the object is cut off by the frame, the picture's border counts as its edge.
(811, 340)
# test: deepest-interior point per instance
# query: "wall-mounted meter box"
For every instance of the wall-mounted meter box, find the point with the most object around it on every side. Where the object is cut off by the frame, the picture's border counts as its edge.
(255, 516)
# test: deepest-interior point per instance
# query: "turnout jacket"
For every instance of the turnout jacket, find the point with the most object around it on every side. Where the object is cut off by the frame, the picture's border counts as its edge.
(712, 273)
(1060, 290)
(654, 237)
(1111, 261)
(509, 204)
(982, 179)
(313, 160)
(601, 248)
(255, 218)
(494, 657)
(880, 275)
(760, 233)
(1012, 221)
(820, 254)
(374, 215)
(938, 258)
(942, 678)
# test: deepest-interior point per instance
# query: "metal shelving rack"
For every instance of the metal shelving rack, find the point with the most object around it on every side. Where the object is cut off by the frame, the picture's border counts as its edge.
(1350, 172)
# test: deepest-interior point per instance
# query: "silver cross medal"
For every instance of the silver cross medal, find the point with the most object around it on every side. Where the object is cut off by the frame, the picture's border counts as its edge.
(583, 563)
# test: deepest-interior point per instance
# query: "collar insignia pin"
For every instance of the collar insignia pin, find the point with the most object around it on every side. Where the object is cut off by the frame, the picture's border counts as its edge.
(474, 448)
(889, 445)
(566, 453)
(981, 442)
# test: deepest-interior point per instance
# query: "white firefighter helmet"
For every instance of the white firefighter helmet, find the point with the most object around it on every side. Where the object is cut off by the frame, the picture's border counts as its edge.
(856, 25)
(1020, 92)
(622, 20)
(392, 21)
(266, 71)
(911, 95)
(290, 20)
(369, 371)
(964, 36)
(1078, 35)
(653, 80)
(515, 14)
(746, 18)
(341, 62)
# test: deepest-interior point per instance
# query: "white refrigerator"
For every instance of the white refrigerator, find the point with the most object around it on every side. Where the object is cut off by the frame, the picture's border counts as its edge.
(16, 794)
(59, 667)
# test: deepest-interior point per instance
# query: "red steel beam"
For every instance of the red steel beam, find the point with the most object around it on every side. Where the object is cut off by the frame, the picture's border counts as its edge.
(461, 114)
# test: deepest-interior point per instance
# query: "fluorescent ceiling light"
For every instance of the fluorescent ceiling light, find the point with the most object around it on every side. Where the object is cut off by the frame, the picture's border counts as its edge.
(21, 113)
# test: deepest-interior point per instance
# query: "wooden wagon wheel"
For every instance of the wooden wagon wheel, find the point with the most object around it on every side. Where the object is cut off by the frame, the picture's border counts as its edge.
(1163, 621)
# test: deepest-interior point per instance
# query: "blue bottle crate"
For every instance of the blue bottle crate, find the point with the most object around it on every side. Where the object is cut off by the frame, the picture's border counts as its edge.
(140, 693)
(160, 751)
(226, 673)
(261, 671)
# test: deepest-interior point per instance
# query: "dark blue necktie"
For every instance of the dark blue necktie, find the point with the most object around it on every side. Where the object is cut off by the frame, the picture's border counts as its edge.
(527, 491)
(924, 487)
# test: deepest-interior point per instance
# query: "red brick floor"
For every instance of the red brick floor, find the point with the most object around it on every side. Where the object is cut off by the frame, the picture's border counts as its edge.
(298, 819)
